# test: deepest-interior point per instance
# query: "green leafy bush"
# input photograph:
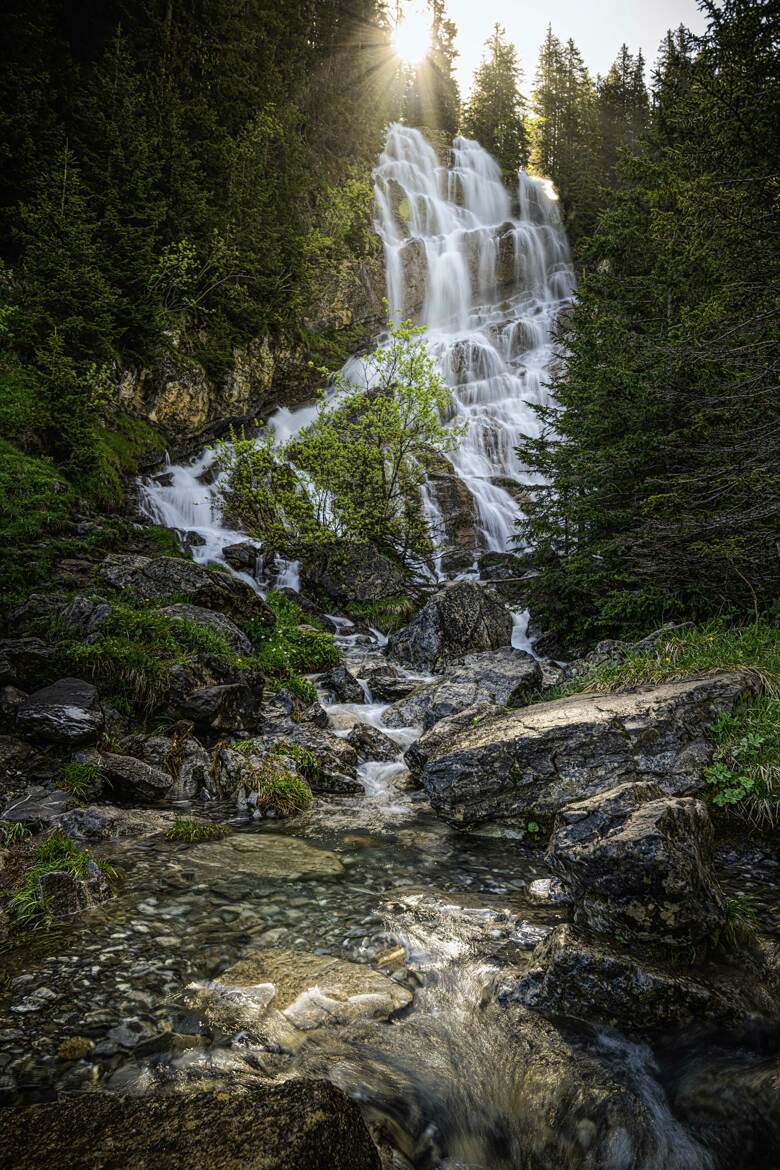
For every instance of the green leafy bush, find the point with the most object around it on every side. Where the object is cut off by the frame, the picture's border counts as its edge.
(294, 645)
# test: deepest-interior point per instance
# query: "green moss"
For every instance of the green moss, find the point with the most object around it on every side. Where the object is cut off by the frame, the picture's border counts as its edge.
(119, 449)
(190, 831)
(294, 645)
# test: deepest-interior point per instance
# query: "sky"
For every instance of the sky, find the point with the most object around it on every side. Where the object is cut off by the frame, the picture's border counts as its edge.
(598, 28)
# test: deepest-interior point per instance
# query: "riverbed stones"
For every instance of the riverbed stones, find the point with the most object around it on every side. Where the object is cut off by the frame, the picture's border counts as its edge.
(296, 1125)
(463, 618)
(67, 712)
(211, 620)
(535, 761)
(163, 577)
(308, 990)
(267, 855)
(638, 865)
(507, 677)
(106, 822)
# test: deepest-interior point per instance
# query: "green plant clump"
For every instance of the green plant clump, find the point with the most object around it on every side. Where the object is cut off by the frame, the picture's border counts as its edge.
(57, 854)
(744, 776)
(387, 614)
(13, 833)
(294, 644)
(80, 780)
(279, 790)
(305, 760)
(190, 831)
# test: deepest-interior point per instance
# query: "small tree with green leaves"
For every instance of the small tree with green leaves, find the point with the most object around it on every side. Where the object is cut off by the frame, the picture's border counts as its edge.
(354, 474)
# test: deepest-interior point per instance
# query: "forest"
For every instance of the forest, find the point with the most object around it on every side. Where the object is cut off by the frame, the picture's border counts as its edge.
(390, 663)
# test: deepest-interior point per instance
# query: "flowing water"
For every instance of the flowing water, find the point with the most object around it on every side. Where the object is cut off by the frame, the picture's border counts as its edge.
(456, 1082)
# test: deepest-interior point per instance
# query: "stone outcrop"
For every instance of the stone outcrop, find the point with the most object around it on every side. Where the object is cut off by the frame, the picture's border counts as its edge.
(638, 865)
(535, 761)
(211, 620)
(507, 677)
(162, 577)
(67, 712)
(357, 572)
(372, 744)
(297, 1125)
(459, 620)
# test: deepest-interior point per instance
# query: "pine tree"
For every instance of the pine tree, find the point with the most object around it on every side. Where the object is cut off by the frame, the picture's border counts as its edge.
(495, 111)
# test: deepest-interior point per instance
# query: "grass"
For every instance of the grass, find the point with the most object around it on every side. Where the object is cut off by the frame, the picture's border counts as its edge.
(56, 854)
(13, 833)
(294, 645)
(81, 780)
(306, 762)
(387, 614)
(279, 790)
(190, 831)
(744, 777)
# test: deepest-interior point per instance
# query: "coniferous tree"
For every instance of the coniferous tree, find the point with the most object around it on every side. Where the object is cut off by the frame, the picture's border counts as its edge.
(494, 114)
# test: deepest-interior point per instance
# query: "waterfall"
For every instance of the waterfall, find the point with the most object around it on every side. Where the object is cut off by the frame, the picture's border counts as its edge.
(486, 273)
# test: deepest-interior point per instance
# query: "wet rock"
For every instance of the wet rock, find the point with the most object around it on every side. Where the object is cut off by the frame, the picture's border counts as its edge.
(343, 686)
(297, 1125)
(134, 780)
(265, 855)
(308, 990)
(218, 622)
(162, 577)
(25, 662)
(231, 707)
(37, 611)
(506, 677)
(461, 619)
(106, 822)
(11, 699)
(357, 572)
(66, 712)
(283, 706)
(40, 807)
(446, 730)
(638, 865)
(336, 757)
(242, 556)
(535, 761)
(178, 753)
(387, 684)
(371, 744)
(60, 894)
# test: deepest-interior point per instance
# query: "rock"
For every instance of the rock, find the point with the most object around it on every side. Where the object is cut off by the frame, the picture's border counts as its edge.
(462, 618)
(83, 615)
(296, 1125)
(355, 572)
(235, 637)
(61, 895)
(178, 753)
(107, 822)
(267, 855)
(37, 611)
(343, 686)
(308, 990)
(386, 684)
(638, 865)
(371, 744)
(574, 976)
(41, 807)
(336, 757)
(535, 761)
(232, 707)
(25, 662)
(446, 730)
(507, 677)
(68, 711)
(163, 577)
(134, 780)
(11, 699)
(242, 556)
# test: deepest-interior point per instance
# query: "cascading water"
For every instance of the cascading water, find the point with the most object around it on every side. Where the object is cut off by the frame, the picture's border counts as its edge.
(486, 274)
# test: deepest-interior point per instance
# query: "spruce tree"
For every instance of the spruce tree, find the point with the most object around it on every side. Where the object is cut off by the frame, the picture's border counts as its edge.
(495, 111)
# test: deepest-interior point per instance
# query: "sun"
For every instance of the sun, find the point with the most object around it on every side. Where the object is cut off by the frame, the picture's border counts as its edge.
(412, 36)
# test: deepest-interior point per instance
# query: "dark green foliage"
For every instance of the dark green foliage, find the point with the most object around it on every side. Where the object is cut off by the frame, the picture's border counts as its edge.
(190, 831)
(56, 854)
(293, 645)
(494, 114)
(305, 761)
(387, 614)
(279, 790)
(664, 488)
(81, 780)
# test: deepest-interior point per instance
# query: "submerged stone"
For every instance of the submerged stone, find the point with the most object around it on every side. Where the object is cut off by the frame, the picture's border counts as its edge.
(267, 855)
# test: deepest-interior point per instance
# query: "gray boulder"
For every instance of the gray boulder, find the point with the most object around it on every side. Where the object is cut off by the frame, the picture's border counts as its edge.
(461, 619)
(242, 556)
(60, 894)
(235, 637)
(386, 684)
(535, 761)
(39, 806)
(372, 744)
(296, 1125)
(83, 615)
(336, 757)
(638, 865)
(343, 686)
(66, 712)
(355, 572)
(230, 707)
(105, 822)
(134, 780)
(163, 577)
(178, 753)
(507, 677)
(25, 662)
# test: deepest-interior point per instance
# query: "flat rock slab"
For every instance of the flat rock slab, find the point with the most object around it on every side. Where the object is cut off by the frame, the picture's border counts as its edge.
(308, 990)
(267, 855)
(66, 712)
(541, 758)
(297, 1125)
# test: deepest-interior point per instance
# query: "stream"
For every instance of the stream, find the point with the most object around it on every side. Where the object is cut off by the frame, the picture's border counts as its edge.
(453, 1082)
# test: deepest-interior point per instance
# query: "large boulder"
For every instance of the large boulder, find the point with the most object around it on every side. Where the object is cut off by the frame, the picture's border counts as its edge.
(165, 577)
(134, 780)
(210, 620)
(265, 855)
(67, 712)
(177, 752)
(372, 744)
(461, 619)
(535, 761)
(337, 759)
(507, 677)
(343, 686)
(106, 822)
(638, 865)
(296, 1125)
(230, 707)
(386, 683)
(25, 662)
(355, 572)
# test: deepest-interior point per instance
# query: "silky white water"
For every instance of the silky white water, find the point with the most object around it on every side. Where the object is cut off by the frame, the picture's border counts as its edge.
(485, 271)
